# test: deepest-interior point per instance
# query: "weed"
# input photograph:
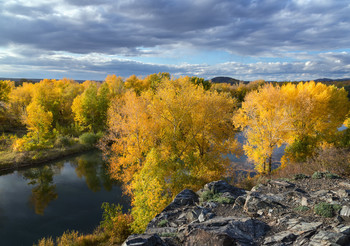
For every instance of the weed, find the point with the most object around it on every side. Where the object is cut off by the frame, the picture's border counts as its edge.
(163, 223)
(326, 210)
(302, 208)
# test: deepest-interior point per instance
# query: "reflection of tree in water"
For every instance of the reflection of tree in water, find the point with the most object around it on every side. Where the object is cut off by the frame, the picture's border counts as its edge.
(93, 169)
(44, 191)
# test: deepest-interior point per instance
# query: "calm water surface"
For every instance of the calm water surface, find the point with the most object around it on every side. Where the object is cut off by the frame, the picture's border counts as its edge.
(50, 199)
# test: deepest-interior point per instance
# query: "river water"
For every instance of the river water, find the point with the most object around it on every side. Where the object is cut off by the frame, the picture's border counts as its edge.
(66, 195)
(50, 199)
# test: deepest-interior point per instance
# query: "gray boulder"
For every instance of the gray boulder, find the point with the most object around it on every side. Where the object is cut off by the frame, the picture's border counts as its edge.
(144, 240)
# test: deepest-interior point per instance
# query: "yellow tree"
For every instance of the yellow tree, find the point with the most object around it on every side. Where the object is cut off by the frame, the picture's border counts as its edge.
(38, 121)
(5, 89)
(315, 112)
(175, 137)
(291, 114)
(266, 126)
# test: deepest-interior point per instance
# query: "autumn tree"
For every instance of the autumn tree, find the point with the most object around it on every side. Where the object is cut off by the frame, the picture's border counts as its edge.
(5, 89)
(90, 108)
(166, 140)
(289, 114)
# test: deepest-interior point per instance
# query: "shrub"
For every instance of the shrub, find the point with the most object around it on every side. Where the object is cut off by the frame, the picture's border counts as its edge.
(46, 242)
(302, 208)
(88, 138)
(212, 197)
(116, 224)
(317, 175)
(326, 210)
(162, 223)
(63, 141)
(300, 176)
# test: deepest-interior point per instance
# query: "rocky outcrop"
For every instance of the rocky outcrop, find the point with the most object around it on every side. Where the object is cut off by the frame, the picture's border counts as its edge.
(304, 211)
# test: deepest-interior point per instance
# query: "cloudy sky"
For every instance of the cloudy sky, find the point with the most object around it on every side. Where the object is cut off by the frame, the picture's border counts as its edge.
(244, 39)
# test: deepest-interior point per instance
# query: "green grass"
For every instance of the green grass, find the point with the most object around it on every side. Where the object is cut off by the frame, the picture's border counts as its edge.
(326, 209)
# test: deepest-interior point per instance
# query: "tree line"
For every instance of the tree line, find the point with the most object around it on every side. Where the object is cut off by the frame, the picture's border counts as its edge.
(162, 134)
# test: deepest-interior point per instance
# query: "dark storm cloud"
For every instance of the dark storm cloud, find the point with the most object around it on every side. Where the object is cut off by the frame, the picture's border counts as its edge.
(121, 27)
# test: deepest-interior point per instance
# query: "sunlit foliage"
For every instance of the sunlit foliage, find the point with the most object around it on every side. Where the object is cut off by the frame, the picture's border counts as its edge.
(166, 140)
(299, 115)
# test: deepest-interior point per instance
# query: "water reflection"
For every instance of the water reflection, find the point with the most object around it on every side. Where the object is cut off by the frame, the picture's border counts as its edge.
(95, 174)
(44, 190)
(88, 167)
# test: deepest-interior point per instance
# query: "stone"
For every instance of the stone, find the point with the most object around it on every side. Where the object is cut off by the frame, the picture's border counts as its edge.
(226, 231)
(345, 213)
(281, 184)
(329, 237)
(343, 193)
(257, 201)
(223, 187)
(144, 240)
(239, 202)
(298, 227)
(345, 185)
(304, 201)
(281, 237)
(184, 198)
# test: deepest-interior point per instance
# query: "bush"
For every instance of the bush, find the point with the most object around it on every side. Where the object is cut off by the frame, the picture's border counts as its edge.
(63, 141)
(116, 224)
(210, 196)
(89, 138)
(300, 176)
(327, 175)
(326, 210)
(317, 175)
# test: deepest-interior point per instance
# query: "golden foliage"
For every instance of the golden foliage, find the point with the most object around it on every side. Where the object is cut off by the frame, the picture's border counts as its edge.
(173, 138)
(275, 115)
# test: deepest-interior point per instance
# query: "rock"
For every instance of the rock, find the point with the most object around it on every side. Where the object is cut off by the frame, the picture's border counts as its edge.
(345, 213)
(328, 238)
(343, 193)
(345, 184)
(184, 198)
(144, 240)
(257, 201)
(281, 237)
(304, 201)
(343, 229)
(226, 231)
(281, 184)
(298, 227)
(223, 187)
(239, 202)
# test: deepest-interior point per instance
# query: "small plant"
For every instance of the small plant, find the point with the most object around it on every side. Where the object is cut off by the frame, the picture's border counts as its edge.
(302, 208)
(163, 223)
(300, 176)
(326, 210)
(317, 175)
(332, 176)
(327, 175)
(210, 196)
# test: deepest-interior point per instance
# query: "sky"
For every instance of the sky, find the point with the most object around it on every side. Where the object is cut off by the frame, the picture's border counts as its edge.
(244, 39)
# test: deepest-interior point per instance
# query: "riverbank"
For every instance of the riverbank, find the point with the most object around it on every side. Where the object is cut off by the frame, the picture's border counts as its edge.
(11, 161)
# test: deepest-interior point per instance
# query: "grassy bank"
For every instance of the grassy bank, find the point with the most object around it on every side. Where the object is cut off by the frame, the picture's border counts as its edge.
(11, 160)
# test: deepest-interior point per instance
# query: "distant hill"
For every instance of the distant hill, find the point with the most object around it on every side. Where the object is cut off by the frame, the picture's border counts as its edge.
(225, 80)
(327, 79)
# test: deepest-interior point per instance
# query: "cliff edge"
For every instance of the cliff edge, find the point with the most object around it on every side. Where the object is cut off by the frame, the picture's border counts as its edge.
(303, 211)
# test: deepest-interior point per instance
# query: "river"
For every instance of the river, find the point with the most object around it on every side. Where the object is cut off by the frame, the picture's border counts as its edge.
(50, 199)
(66, 195)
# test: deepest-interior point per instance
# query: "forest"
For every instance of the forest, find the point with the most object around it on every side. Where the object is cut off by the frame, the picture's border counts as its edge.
(160, 134)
